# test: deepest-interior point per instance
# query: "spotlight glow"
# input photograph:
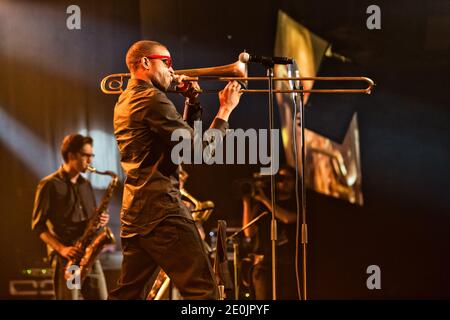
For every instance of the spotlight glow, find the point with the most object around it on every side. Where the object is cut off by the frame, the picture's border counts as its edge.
(31, 150)
(106, 157)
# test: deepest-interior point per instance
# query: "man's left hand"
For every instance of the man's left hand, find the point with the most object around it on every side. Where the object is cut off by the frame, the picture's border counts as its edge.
(189, 89)
(104, 219)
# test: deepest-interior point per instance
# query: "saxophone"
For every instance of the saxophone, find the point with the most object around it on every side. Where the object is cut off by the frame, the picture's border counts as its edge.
(94, 237)
(202, 210)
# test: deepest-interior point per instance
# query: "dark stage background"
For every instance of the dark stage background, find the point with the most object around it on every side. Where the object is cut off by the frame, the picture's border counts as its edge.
(49, 86)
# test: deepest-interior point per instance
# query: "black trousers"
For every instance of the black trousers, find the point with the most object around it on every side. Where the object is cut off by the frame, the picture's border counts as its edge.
(175, 246)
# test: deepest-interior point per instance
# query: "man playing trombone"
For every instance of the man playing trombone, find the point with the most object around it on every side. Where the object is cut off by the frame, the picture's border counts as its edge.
(156, 227)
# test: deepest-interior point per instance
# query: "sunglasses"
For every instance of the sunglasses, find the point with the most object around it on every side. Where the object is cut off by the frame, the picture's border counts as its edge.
(166, 59)
(87, 155)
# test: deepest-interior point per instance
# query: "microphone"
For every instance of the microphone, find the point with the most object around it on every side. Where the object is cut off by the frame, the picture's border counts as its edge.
(330, 54)
(245, 57)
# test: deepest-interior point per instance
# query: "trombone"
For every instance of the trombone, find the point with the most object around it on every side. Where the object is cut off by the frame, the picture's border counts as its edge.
(114, 83)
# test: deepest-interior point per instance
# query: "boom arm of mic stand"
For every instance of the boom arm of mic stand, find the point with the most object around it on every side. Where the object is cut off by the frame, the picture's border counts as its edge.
(248, 225)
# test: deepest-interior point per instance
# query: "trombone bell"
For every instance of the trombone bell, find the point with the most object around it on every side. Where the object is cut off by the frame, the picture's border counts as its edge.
(237, 69)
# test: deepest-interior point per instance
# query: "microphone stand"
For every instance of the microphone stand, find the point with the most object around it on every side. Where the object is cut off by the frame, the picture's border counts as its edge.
(304, 232)
(273, 225)
(269, 64)
(235, 251)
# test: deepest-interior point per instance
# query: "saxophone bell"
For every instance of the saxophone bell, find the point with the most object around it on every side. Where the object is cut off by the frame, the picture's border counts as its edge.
(202, 209)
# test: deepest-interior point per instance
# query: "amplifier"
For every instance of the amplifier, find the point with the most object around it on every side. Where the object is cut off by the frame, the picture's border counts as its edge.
(35, 283)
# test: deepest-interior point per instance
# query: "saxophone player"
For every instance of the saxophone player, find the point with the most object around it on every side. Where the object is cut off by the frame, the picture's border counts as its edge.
(63, 205)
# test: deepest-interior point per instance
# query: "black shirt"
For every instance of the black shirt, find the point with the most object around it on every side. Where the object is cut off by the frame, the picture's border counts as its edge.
(62, 207)
(144, 119)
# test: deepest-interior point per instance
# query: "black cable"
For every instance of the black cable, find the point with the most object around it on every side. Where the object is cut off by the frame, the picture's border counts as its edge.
(297, 229)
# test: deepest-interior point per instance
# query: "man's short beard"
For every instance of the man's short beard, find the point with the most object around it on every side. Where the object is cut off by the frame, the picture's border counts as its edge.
(157, 85)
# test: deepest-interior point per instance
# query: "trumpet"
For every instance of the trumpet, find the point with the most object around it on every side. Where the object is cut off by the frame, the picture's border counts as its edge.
(114, 83)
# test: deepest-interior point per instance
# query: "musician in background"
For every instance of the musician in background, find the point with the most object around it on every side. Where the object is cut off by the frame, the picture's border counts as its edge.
(63, 205)
(259, 241)
(157, 229)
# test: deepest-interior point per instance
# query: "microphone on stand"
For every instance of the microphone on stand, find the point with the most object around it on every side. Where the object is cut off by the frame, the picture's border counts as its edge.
(330, 54)
(246, 57)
